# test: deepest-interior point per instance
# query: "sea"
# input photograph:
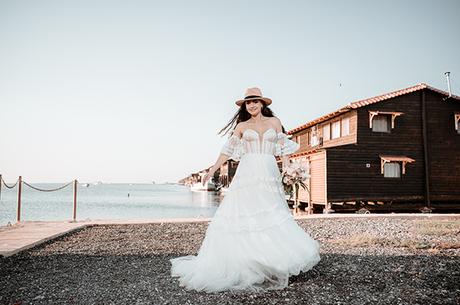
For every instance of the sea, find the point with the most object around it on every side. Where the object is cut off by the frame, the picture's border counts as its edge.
(107, 201)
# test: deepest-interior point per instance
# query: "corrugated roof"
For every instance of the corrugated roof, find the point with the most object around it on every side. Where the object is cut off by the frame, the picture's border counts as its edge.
(369, 101)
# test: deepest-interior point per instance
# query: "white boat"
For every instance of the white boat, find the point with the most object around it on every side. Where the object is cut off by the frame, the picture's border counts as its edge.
(199, 187)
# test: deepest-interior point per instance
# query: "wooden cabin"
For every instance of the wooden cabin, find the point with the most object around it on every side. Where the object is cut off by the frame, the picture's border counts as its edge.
(396, 151)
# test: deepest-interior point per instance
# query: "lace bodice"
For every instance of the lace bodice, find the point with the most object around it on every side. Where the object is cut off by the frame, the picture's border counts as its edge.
(270, 142)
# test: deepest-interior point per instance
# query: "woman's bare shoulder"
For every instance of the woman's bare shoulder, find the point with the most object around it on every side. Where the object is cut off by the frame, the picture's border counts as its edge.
(275, 119)
(239, 128)
(277, 123)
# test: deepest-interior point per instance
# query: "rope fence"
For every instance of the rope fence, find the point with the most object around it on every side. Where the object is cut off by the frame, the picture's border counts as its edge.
(20, 182)
(9, 186)
(48, 190)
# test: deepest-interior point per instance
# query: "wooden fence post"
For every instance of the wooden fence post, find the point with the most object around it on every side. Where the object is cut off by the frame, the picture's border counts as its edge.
(19, 198)
(75, 200)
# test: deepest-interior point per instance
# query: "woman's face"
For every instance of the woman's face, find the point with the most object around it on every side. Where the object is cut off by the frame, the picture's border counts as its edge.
(254, 107)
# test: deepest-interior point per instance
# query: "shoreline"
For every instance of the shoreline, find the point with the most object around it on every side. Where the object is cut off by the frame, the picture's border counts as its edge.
(102, 221)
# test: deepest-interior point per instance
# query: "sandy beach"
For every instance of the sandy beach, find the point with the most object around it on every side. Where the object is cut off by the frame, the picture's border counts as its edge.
(365, 260)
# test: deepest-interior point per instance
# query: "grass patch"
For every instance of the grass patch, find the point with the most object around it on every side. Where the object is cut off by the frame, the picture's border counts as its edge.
(438, 245)
(437, 227)
(369, 240)
(362, 240)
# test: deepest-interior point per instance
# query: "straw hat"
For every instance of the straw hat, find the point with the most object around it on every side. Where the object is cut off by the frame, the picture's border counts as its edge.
(253, 93)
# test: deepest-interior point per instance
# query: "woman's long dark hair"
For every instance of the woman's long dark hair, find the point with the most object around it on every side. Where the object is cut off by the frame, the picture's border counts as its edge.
(242, 115)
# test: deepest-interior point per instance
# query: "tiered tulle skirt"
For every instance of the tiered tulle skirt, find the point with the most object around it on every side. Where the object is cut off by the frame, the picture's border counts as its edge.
(252, 242)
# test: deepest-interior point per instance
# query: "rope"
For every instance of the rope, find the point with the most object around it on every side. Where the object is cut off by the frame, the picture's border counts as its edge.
(10, 187)
(47, 190)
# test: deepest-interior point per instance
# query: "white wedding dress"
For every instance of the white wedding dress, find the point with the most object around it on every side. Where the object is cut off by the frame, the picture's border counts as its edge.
(252, 242)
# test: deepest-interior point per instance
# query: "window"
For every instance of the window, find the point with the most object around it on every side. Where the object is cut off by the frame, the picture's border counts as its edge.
(314, 140)
(326, 132)
(345, 126)
(381, 123)
(336, 130)
(394, 166)
(314, 137)
(457, 122)
(392, 170)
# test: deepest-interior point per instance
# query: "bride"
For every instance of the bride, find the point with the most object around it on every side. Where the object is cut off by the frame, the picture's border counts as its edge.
(252, 243)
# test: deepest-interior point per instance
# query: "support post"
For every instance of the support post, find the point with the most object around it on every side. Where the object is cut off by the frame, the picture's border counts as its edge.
(296, 199)
(309, 209)
(426, 159)
(75, 200)
(310, 205)
(19, 199)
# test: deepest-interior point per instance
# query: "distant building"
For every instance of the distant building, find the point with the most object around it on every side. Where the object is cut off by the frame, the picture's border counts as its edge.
(198, 177)
(227, 171)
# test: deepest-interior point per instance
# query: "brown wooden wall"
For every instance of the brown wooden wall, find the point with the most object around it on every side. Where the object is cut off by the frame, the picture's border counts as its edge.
(443, 147)
(348, 177)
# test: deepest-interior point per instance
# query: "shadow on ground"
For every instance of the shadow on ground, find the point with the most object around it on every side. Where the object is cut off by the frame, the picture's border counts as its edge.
(145, 279)
(129, 264)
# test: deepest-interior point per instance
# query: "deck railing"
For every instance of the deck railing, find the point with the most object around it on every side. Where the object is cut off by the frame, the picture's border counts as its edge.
(20, 182)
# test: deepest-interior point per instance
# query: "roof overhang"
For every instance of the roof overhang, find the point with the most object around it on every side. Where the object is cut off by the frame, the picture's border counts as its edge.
(369, 101)
(391, 158)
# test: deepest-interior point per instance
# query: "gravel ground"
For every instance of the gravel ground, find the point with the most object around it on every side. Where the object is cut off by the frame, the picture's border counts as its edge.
(363, 261)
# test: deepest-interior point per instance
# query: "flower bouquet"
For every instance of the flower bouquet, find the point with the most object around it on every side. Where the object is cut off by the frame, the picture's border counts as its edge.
(293, 177)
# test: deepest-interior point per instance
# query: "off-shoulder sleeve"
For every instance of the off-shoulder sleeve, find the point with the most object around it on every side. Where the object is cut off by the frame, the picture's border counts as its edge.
(233, 148)
(285, 146)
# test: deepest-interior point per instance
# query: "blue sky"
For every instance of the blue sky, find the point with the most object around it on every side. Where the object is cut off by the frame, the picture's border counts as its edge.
(135, 91)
